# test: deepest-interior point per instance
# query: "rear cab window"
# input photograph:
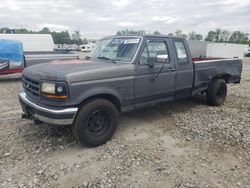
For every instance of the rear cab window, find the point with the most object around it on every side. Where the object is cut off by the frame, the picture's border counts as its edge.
(181, 52)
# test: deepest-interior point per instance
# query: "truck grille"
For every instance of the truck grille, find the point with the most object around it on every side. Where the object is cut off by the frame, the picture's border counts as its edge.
(31, 86)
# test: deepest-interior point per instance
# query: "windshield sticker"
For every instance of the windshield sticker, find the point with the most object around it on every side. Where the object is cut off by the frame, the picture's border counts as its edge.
(131, 41)
(117, 41)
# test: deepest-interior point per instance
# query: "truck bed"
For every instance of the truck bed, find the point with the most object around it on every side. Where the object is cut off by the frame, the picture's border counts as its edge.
(205, 69)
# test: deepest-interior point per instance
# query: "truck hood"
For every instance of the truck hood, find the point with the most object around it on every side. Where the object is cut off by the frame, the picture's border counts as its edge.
(79, 70)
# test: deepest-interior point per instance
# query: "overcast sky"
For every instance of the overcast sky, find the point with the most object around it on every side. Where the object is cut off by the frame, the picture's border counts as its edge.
(97, 18)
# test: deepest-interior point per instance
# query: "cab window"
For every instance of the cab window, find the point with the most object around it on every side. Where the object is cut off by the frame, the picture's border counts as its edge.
(155, 49)
(181, 52)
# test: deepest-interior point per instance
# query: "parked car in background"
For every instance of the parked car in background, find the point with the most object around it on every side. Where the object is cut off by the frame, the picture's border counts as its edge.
(247, 52)
(122, 73)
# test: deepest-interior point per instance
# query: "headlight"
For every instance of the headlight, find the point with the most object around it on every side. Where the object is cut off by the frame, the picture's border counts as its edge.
(48, 88)
(54, 91)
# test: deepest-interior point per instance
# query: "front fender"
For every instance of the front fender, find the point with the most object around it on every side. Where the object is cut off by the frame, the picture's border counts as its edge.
(102, 90)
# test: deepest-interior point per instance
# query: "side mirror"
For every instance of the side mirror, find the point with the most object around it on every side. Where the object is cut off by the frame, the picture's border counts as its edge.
(162, 58)
(152, 61)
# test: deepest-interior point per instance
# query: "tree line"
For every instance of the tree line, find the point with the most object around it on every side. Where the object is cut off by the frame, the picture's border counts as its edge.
(62, 37)
(217, 35)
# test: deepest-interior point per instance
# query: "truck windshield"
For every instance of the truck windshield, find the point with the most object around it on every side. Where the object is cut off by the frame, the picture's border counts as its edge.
(116, 49)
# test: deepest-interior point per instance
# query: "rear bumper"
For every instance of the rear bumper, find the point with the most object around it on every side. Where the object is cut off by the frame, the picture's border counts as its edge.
(59, 116)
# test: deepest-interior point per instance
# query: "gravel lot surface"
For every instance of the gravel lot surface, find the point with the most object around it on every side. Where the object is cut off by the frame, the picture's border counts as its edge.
(178, 144)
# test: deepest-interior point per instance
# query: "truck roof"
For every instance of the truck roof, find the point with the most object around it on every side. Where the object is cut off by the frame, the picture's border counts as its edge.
(146, 35)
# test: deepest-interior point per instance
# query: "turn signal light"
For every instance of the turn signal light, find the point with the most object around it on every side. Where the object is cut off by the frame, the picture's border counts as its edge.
(65, 97)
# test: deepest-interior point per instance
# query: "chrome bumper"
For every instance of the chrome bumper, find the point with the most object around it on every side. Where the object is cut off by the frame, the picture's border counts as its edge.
(48, 115)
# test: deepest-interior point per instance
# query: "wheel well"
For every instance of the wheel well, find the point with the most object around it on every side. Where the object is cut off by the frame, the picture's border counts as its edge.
(225, 77)
(108, 97)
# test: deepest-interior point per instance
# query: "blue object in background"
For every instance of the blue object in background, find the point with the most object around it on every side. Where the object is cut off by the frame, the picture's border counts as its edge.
(11, 54)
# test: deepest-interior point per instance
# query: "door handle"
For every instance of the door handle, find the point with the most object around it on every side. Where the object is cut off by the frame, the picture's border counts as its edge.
(171, 69)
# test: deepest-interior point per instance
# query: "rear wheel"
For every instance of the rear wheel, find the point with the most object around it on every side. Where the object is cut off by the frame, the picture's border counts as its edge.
(95, 123)
(217, 92)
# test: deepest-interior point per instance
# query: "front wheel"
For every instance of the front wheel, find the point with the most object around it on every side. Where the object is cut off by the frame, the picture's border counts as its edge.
(217, 92)
(95, 123)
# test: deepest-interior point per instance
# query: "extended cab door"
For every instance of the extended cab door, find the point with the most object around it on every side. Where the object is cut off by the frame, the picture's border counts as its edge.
(184, 68)
(154, 81)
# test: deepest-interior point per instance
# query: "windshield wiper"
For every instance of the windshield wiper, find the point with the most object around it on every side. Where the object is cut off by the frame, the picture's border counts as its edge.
(106, 58)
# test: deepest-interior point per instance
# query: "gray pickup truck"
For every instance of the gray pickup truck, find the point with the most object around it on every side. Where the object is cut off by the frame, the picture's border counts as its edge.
(122, 73)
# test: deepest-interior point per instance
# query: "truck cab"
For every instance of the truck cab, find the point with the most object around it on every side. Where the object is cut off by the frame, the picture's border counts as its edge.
(122, 73)
(156, 65)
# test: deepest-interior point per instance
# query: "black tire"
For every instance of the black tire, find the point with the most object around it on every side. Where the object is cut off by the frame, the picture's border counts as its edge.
(217, 92)
(95, 123)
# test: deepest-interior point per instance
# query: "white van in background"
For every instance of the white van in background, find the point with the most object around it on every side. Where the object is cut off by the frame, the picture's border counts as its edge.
(87, 47)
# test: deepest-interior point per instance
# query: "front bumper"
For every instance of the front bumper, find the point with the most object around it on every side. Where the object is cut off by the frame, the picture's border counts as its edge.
(58, 116)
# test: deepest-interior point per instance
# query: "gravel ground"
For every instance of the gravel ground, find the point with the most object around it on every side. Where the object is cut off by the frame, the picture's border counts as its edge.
(178, 144)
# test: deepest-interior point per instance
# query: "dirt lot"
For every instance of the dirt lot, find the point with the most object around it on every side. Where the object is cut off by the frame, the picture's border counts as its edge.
(179, 144)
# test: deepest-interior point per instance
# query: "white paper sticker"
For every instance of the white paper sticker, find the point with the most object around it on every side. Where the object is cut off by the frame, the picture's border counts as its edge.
(131, 41)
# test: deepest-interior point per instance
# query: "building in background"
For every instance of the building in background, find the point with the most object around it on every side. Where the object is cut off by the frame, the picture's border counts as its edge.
(197, 48)
(32, 42)
(225, 50)
(212, 49)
